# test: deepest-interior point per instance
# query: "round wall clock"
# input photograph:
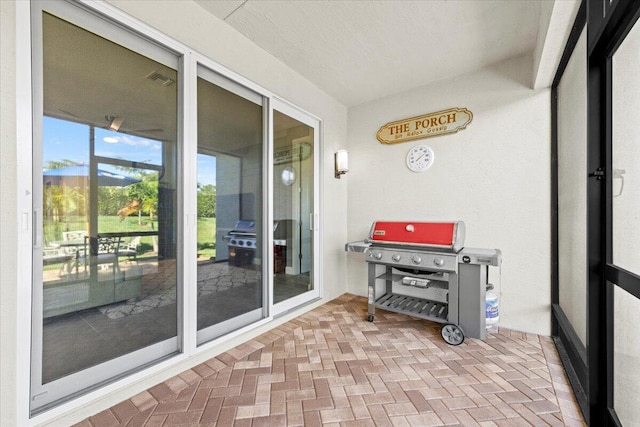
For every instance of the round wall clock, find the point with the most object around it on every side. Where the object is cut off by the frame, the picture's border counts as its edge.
(420, 158)
(288, 175)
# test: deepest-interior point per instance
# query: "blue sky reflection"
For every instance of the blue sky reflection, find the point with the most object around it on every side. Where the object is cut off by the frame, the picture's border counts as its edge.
(65, 140)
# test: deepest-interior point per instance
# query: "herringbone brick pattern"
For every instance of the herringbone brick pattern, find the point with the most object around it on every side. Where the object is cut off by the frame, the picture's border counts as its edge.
(332, 367)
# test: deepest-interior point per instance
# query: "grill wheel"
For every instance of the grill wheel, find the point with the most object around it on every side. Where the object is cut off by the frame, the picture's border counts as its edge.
(452, 334)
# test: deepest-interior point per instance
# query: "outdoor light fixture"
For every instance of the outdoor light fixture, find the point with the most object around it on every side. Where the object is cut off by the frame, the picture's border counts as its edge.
(116, 122)
(342, 162)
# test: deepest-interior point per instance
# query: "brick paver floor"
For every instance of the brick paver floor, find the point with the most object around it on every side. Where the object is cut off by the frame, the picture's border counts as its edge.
(331, 367)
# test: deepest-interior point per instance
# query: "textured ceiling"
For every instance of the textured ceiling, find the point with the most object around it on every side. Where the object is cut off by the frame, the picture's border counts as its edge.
(358, 51)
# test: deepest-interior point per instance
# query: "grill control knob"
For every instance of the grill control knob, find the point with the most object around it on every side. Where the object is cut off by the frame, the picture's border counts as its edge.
(377, 255)
(439, 262)
(416, 259)
(396, 257)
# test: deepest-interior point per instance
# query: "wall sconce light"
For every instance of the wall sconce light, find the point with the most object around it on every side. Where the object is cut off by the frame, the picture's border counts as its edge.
(114, 122)
(342, 162)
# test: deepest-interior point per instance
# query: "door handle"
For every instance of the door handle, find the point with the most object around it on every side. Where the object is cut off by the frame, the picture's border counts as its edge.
(37, 230)
(597, 174)
(619, 173)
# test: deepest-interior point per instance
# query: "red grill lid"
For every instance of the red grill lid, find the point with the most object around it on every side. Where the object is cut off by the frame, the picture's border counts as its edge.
(437, 234)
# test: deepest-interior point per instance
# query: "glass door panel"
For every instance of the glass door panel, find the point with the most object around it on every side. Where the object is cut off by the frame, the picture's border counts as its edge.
(626, 357)
(294, 204)
(623, 270)
(105, 283)
(229, 199)
(626, 154)
(572, 190)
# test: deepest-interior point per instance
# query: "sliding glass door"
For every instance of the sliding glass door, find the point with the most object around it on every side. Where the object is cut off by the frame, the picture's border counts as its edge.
(295, 203)
(105, 291)
(231, 141)
(237, 277)
(127, 270)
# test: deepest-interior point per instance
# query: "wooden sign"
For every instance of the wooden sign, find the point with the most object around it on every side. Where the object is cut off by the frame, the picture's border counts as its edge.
(298, 151)
(433, 124)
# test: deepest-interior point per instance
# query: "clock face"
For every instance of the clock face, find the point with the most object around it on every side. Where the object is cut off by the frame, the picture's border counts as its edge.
(419, 158)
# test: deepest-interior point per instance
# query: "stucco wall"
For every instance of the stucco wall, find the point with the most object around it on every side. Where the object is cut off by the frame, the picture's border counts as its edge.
(189, 24)
(494, 176)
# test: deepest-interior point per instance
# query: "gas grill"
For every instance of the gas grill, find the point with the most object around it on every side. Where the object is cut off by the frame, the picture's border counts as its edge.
(242, 242)
(422, 269)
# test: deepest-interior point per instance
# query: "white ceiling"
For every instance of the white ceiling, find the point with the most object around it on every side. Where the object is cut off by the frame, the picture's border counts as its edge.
(361, 50)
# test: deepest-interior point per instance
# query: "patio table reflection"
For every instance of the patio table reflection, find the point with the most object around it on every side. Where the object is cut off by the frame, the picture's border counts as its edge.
(91, 251)
(73, 249)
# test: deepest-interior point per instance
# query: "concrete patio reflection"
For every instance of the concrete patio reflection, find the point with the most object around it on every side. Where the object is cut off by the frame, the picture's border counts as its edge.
(83, 338)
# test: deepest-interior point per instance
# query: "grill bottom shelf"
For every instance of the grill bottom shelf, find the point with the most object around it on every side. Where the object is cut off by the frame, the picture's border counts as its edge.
(417, 307)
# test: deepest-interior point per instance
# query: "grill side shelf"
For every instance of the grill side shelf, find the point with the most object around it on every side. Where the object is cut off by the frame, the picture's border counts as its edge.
(417, 307)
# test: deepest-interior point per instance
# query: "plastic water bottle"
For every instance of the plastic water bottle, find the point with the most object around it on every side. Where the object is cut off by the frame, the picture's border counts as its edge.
(492, 310)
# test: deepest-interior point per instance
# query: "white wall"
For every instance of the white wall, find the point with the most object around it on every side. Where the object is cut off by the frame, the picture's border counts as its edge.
(189, 24)
(494, 176)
